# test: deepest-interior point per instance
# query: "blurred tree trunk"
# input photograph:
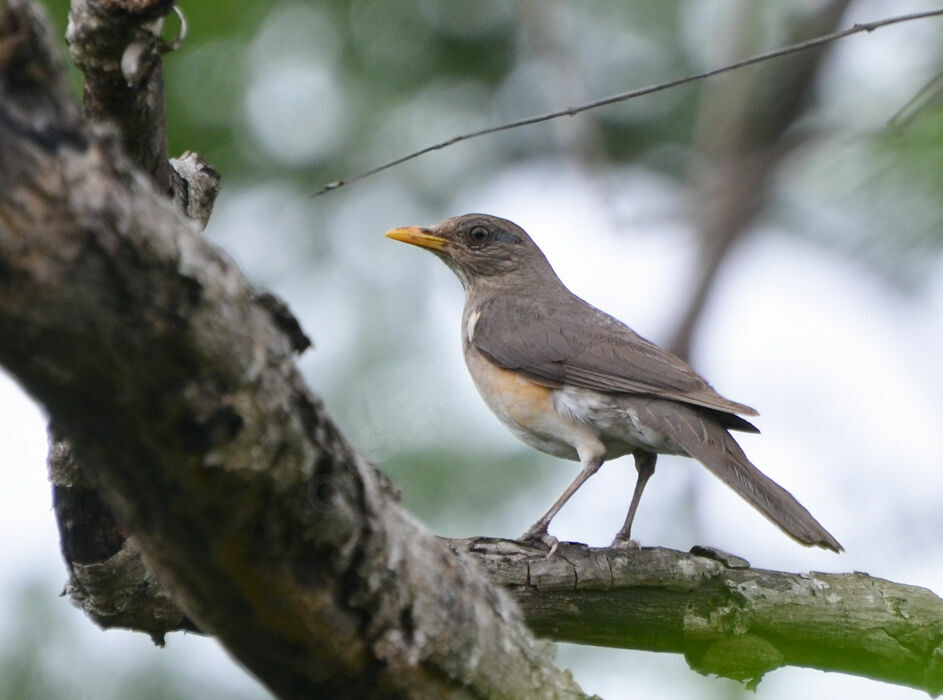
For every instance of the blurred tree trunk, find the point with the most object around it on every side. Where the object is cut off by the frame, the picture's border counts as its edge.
(742, 138)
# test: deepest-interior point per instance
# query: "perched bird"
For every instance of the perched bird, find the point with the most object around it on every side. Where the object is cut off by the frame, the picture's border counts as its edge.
(574, 382)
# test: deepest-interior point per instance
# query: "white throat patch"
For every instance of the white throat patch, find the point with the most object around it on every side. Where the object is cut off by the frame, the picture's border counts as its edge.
(471, 323)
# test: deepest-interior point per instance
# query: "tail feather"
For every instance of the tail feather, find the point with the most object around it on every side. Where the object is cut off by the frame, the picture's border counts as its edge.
(709, 442)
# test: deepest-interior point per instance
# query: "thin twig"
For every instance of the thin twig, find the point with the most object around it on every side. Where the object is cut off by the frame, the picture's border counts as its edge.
(621, 97)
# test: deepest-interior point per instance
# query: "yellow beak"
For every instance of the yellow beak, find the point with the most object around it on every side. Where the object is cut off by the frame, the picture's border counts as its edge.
(417, 235)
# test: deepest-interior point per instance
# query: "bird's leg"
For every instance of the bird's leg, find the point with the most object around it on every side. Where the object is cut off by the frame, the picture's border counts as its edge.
(645, 465)
(538, 531)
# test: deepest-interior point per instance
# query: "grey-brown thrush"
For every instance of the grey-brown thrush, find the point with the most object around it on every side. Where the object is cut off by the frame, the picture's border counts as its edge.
(576, 383)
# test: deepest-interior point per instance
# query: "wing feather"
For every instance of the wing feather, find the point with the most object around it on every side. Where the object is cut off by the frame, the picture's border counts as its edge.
(563, 340)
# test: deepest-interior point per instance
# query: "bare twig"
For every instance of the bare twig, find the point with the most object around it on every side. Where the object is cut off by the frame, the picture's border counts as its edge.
(622, 97)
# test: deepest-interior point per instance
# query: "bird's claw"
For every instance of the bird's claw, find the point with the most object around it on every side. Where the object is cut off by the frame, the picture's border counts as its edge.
(630, 544)
(541, 536)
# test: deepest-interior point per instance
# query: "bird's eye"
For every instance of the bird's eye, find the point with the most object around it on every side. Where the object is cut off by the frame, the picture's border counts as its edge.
(478, 236)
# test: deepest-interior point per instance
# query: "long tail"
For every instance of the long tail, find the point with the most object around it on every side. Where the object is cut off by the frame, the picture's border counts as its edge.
(709, 442)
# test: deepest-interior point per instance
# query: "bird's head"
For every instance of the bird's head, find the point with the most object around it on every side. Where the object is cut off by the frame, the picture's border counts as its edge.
(480, 249)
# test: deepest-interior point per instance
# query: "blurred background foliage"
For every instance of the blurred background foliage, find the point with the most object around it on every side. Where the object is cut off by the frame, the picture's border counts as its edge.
(285, 96)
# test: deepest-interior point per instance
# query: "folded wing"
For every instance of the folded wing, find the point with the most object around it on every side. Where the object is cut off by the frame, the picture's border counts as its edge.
(563, 340)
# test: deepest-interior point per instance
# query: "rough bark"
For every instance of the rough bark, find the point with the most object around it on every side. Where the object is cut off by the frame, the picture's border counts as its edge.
(725, 617)
(199, 484)
(108, 579)
(176, 388)
(117, 45)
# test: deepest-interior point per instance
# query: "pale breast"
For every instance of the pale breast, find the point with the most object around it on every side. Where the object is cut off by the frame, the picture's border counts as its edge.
(562, 421)
(525, 408)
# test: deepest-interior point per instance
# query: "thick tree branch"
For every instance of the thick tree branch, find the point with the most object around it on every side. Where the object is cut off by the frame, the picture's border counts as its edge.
(108, 578)
(117, 44)
(179, 396)
(725, 617)
(172, 384)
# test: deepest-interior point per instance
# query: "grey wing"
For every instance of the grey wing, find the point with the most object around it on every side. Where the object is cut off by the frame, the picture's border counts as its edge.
(563, 340)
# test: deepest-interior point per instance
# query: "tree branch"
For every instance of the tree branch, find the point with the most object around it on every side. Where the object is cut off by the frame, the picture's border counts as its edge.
(118, 46)
(725, 617)
(108, 579)
(623, 96)
(177, 391)
(171, 381)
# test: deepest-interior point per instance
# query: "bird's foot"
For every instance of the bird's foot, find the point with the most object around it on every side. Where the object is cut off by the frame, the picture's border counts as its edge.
(539, 535)
(625, 543)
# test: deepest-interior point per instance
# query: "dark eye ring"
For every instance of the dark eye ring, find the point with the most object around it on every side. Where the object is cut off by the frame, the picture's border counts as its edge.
(479, 234)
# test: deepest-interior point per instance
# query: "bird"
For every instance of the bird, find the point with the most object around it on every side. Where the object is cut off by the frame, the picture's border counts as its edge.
(576, 383)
